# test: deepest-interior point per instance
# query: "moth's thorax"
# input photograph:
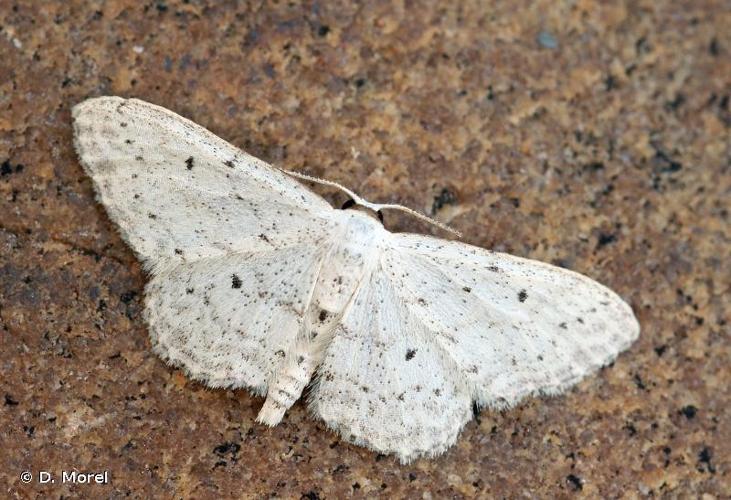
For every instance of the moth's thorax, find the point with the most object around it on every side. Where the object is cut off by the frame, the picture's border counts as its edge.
(349, 259)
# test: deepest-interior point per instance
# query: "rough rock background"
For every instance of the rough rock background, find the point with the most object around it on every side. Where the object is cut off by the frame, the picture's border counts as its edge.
(593, 135)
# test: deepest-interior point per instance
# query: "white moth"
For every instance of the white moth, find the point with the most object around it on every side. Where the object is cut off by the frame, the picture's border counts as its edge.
(257, 282)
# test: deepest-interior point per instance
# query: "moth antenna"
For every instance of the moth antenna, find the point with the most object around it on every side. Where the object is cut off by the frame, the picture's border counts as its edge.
(373, 206)
(423, 217)
(325, 182)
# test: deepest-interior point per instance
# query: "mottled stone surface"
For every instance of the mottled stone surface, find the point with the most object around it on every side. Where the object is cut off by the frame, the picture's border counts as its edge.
(590, 135)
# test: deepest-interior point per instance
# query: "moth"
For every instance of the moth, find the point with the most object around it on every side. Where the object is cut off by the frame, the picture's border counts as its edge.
(258, 282)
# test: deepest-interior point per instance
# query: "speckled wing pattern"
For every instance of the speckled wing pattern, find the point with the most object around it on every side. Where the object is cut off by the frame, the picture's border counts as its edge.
(399, 391)
(257, 282)
(191, 205)
(515, 326)
(441, 324)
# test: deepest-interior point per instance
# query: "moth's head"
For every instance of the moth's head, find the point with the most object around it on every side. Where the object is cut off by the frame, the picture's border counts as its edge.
(352, 205)
(372, 209)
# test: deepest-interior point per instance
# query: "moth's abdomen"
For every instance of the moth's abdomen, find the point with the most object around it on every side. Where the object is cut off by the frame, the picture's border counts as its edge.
(346, 265)
(287, 386)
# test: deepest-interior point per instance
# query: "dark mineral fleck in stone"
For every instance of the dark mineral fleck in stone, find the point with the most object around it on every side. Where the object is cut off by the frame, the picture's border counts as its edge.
(689, 411)
(547, 40)
(575, 482)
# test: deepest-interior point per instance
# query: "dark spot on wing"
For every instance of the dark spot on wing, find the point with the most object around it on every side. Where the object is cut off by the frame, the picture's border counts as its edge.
(178, 251)
(323, 315)
(189, 163)
(563, 325)
(122, 124)
(410, 353)
(139, 158)
(235, 281)
(189, 291)
(264, 237)
(522, 295)
(466, 289)
(229, 163)
(152, 216)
